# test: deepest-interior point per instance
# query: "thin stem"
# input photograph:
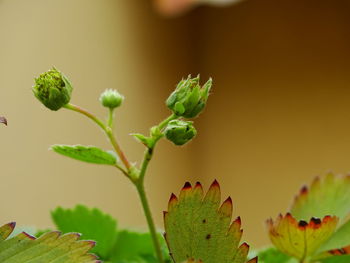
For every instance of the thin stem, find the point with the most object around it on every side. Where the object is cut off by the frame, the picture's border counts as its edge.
(142, 194)
(86, 113)
(117, 148)
(110, 117)
(166, 121)
(141, 190)
(107, 130)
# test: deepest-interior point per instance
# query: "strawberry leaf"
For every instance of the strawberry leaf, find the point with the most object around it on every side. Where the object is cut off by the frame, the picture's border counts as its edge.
(341, 238)
(89, 154)
(300, 239)
(91, 223)
(50, 247)
(329, 195)
(199, 229)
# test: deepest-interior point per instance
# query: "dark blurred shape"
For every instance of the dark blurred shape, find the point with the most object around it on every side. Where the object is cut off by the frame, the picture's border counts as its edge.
(3, 120)
(176, 7)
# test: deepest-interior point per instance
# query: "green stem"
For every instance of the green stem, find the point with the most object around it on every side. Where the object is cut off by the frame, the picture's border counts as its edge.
(110, 118)
(142, 193)
(87, 114)
(148, 214)
(106, 129)
(166, 121)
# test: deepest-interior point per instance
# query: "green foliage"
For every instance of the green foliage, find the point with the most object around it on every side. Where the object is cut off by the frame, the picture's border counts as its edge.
(91, 223)
(136, 247)
(89, 154)
(112, 246)
(337, 259)
(316, 229)
(273, 255)
(198, 228)
(50, 247)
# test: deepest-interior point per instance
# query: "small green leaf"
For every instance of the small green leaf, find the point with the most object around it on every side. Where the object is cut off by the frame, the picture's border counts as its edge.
(91, 223)
(199, 229)
(341, 238)
(50, 247)
(136, 248)
(89, 154)
(147, 141)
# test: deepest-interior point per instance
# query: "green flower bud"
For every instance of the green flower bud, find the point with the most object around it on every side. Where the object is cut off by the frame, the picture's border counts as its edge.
(53, 89)
(189, 98)
(180, 132)
(111, 98)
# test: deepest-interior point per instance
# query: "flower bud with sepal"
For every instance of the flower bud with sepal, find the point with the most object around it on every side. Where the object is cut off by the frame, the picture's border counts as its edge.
(53, 89)
(180, 132)
(111, 98)
(189, 98)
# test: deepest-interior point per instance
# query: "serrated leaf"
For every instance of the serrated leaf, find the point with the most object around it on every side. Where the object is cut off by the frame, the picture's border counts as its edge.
(300, 239)
(197, 228)
(89, 154)
(91, 223)
(135, 247)
(341, 238)
(329, 195)
(50, 247)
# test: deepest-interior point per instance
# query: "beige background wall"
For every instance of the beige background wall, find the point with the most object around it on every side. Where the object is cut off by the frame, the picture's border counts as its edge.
(278, 114)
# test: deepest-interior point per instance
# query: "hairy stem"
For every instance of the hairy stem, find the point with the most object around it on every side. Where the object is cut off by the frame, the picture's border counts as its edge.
(106, 129)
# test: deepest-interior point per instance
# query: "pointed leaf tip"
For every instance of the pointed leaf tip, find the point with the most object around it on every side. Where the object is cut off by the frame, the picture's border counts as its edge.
(187, 186)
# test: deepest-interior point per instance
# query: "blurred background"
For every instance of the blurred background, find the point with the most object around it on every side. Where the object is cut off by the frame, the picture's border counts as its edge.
(278, 114)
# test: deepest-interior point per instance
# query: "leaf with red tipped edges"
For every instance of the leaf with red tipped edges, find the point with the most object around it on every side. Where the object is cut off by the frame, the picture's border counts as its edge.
(300, 239)
(328, 195)
(50, 247)
(198, 228)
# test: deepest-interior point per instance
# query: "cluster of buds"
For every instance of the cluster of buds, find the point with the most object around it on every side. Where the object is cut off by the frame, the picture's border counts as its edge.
(186, 101)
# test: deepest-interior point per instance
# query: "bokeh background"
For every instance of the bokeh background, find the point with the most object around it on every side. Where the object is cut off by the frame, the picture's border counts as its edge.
(278, 115)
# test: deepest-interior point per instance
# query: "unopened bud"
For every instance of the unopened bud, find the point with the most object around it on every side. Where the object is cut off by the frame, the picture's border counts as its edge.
(111, 98)
(189, 98)
(180, 132)
(53, 89)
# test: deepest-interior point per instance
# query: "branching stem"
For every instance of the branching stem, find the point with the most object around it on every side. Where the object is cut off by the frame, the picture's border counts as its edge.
(138, 179)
